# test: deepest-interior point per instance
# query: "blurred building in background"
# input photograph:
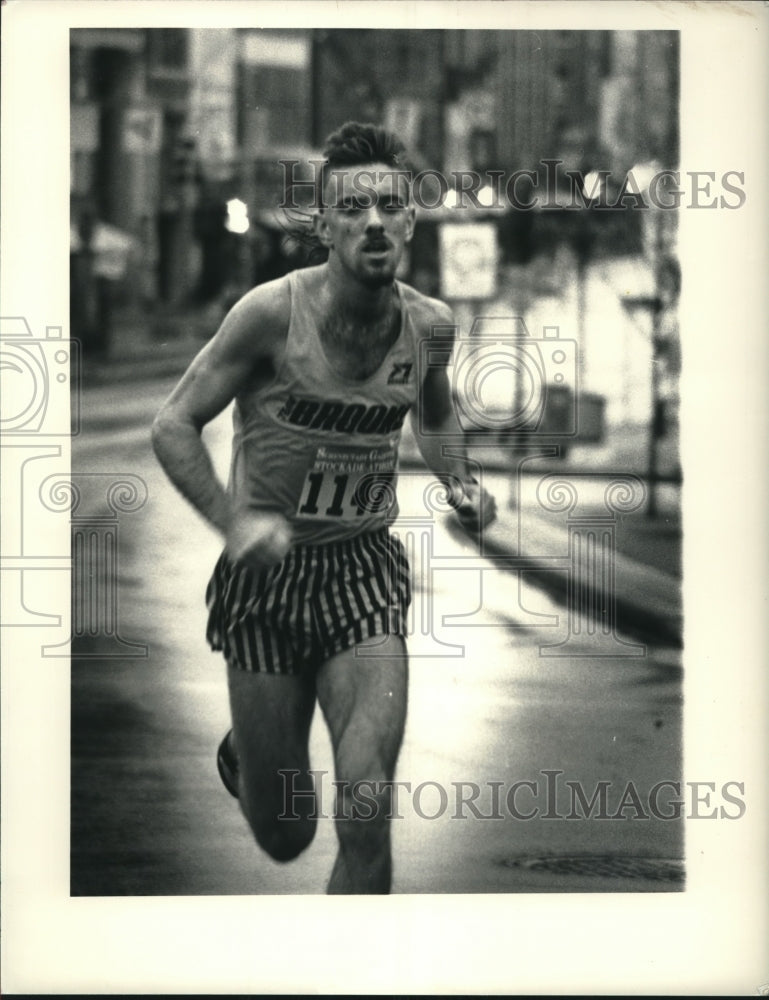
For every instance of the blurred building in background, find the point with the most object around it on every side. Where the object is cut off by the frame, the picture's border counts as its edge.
(177, 137)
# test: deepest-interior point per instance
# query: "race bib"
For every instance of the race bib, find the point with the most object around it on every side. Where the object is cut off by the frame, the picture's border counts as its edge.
(349, 482)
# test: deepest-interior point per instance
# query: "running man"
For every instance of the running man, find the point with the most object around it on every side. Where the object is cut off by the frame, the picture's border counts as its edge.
(323, 366)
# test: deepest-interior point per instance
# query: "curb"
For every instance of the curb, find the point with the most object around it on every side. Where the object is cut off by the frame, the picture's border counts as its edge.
(139, 369)
(635, 614)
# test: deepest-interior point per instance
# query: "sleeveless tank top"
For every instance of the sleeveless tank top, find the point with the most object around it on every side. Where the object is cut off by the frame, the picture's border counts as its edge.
(320, 448)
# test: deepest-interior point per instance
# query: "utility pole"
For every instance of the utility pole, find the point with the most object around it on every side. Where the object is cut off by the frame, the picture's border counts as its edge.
(653, 305)
(182, 176)
(654, 424)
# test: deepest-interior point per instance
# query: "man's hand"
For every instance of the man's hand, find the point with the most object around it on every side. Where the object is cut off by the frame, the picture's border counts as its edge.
(258, 538)
(477, 509)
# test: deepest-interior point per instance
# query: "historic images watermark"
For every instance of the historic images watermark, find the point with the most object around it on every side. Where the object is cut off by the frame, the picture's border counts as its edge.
(41, 405)
(37, 412)
(548, 795)
(307, 185)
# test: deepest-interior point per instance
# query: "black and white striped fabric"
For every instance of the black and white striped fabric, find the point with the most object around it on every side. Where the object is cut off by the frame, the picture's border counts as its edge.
(320, 600)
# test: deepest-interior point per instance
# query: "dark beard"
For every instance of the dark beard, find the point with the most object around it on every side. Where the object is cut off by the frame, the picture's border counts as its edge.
(375, 281)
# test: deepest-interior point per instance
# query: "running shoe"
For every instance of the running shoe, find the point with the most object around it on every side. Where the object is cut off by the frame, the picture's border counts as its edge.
(227, 763)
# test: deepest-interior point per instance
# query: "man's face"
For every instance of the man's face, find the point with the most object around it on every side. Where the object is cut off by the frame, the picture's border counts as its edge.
(367, 221)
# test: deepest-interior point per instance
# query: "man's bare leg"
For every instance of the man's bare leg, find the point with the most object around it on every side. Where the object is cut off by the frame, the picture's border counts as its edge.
(271, 717)
(363, 699)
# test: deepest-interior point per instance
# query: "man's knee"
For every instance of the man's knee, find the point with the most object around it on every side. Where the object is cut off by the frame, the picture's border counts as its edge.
(283, 839)
(282, 816)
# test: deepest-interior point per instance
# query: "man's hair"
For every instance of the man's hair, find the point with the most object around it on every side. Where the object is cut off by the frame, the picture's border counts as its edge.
(357, 144)
(354, 144)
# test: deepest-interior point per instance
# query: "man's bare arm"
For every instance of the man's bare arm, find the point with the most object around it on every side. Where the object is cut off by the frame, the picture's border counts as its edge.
(442, 445)
(241, 351)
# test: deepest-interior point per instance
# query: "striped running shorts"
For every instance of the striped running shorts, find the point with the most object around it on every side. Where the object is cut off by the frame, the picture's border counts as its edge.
(320, 600)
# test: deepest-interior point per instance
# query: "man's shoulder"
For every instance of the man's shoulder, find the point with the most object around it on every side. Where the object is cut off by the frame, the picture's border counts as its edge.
(424, 310)
(269, 302)
(260, 319)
